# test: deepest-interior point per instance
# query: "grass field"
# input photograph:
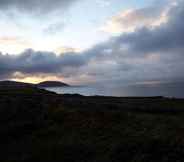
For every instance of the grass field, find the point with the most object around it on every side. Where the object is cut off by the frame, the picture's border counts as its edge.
(40, 126)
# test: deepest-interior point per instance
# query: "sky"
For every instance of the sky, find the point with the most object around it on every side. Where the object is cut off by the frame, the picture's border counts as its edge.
(88, 42)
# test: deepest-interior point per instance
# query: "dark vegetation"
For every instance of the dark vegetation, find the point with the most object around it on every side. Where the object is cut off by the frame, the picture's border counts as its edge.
(9, 84)
(41, 126)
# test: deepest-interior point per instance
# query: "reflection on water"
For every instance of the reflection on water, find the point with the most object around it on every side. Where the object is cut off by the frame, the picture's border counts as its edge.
(168, 90)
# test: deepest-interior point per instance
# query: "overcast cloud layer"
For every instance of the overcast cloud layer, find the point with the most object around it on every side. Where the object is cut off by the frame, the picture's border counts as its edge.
(144, 54)
(35, 6)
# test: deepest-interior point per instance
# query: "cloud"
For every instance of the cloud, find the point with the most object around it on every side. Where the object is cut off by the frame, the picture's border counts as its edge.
(67, 49)
(54, 28)
(131, 19)
(144, 54)
(6, 40)
(13, 44)
(32, 62)
(103, 3)
(32, 20)
(35, 6)
(168, 36)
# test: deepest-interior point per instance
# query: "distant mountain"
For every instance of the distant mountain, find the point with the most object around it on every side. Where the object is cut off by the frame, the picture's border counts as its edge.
(14, 84)
(52, 84)
(8, 83)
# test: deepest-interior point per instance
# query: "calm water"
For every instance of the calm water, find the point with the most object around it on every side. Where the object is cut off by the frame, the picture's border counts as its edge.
(168, 90)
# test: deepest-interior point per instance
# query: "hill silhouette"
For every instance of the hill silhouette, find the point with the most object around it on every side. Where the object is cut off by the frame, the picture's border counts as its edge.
(52, 84)
(14, 84)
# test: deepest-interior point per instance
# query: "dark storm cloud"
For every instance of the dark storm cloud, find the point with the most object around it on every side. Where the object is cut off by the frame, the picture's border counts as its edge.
(31, 62)
(168, 36)
(164, 39)
(34, 6)
(147, 53)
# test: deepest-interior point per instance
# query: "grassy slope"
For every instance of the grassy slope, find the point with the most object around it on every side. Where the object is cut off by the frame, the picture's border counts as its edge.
(47, 127)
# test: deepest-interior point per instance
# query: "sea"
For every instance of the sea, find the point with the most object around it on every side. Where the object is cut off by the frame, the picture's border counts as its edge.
(175, 90)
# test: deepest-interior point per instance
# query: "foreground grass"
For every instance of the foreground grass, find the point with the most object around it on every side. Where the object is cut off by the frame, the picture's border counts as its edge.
(46, 127)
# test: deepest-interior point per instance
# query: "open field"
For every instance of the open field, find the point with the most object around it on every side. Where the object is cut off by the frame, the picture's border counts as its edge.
(41, 126)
